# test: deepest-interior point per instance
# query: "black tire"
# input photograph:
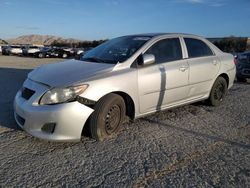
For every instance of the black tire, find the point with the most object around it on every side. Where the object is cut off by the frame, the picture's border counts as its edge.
(218, 92)
(41, 55)
(239, 79)
(109, 114)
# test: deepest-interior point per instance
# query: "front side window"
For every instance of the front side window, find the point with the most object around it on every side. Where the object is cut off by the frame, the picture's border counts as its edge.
(197, 48)
(166, 50)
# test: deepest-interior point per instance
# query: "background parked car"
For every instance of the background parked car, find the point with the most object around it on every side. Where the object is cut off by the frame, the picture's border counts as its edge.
(43, 52)
(53, 52)
(243, 66)
(31, 50)
(70, 51)
(15, 50)
(6, 50)
(0, 49)
(58, 52)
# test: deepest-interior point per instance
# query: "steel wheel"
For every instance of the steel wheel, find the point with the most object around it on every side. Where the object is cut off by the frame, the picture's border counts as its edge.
(112, 119)
(108, 116)
(218, 91)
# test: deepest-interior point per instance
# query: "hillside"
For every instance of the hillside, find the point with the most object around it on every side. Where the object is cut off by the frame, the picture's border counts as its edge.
(40, 40)
(2, 41)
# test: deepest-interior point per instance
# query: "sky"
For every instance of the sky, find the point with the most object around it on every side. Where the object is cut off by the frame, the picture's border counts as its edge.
(104, 19)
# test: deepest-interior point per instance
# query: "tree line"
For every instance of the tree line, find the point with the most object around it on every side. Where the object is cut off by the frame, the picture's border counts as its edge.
(228, 44)
(232, 44)
(83, 44)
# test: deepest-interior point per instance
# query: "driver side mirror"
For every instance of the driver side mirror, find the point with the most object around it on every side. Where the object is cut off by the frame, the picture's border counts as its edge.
(148, 59)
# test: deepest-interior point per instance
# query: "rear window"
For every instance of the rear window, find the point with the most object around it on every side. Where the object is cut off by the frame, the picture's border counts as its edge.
(197, 48)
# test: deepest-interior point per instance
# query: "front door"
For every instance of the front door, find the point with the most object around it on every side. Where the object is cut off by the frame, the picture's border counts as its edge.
(166, 81)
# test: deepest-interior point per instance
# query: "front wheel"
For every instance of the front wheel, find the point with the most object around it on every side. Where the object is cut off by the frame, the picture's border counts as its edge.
(218, 92)
(108, 116)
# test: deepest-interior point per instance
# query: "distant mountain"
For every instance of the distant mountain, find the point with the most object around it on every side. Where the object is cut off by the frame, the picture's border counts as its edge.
(41, 40)
(3, 41)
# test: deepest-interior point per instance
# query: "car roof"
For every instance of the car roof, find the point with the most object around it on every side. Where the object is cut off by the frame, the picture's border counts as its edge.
(161, 34)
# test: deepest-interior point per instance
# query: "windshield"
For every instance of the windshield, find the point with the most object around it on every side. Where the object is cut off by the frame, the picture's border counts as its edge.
(115, 50)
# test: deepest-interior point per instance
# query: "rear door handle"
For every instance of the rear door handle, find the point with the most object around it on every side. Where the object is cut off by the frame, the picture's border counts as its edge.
(183, 68)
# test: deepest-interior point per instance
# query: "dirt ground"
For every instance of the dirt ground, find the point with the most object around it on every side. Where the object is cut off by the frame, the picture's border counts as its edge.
(190, 146)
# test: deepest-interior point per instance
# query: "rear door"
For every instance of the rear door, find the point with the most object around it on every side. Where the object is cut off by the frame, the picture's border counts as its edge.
(203, 66)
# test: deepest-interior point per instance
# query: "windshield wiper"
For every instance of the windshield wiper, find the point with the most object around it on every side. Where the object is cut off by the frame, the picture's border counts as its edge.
(93, 59)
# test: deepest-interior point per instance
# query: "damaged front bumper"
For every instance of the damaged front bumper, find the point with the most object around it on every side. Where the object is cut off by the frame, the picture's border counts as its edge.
(59, 122)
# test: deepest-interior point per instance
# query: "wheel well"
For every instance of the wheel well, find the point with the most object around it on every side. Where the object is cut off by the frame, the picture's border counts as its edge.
(130, 111)
(130, 106)
(225, 76)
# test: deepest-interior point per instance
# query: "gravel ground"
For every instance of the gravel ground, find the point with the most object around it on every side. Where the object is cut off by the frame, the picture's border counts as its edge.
(190, 146)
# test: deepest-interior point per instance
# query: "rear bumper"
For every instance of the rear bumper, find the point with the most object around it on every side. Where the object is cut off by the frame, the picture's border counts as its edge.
(68, 118)
(231, 74)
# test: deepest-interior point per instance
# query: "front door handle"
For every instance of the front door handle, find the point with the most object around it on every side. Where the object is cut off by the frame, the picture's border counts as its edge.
(183, 68)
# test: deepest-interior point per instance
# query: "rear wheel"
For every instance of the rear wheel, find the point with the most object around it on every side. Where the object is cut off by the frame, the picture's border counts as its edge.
(218, 92)
(108, 116)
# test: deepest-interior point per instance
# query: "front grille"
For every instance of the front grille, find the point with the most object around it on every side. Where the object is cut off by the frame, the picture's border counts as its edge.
(20, 120)
(27, 93)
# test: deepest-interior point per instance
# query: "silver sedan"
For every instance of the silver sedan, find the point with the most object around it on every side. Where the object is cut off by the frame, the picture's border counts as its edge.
(129, 76)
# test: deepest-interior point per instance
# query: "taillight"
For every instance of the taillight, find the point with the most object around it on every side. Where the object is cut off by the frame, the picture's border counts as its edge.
(235, 61)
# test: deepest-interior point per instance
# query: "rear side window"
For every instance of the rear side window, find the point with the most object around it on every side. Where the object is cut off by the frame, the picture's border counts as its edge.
(166, 50)
(197, 48)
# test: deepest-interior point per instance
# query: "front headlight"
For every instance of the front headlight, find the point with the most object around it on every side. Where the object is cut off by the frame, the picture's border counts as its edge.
(61, 95)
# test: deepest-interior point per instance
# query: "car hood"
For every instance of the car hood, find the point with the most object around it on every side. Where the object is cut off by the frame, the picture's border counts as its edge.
(68, 72)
